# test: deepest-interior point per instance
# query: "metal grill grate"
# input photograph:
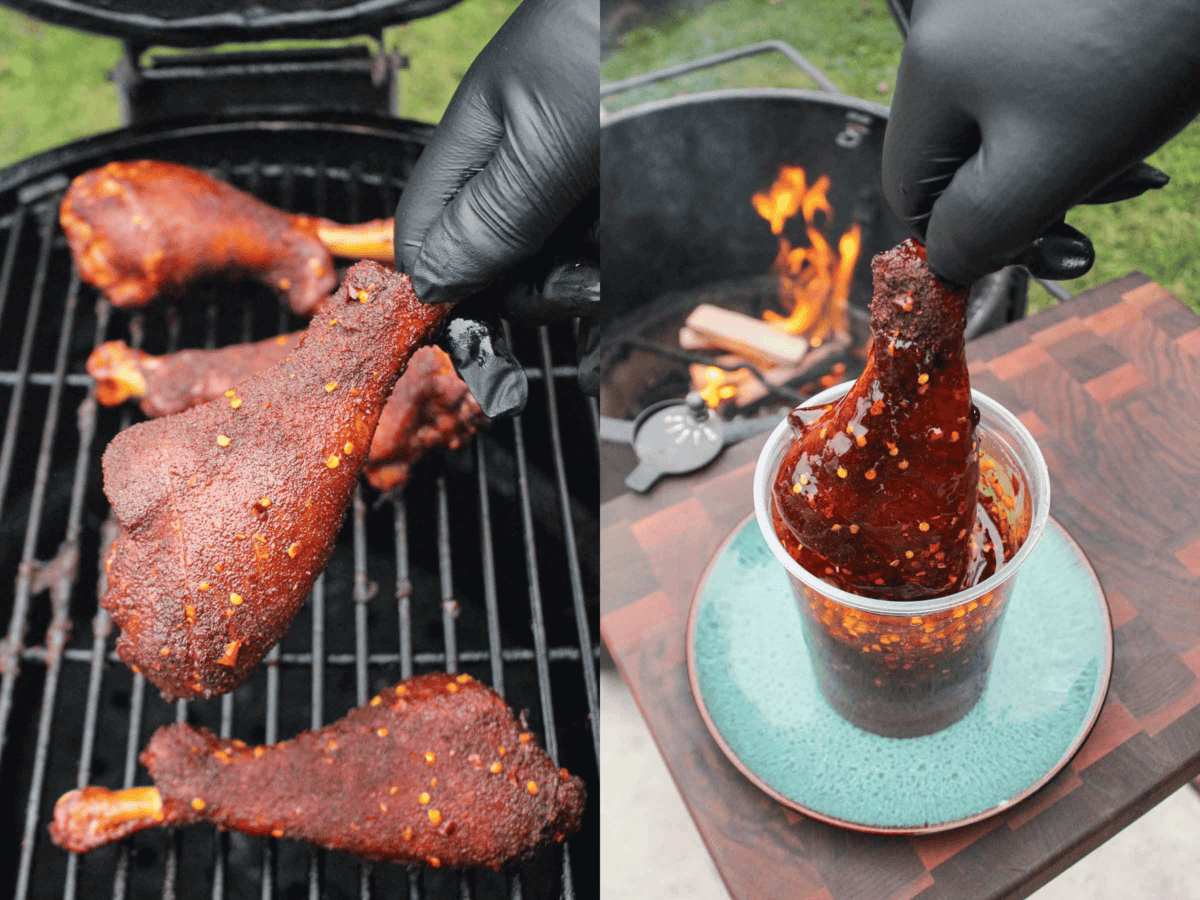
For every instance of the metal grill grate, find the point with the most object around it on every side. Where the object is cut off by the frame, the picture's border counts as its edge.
(486, 564)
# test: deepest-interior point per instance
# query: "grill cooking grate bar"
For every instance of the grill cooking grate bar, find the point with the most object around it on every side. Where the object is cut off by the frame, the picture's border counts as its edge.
(17, 625)
(60, 587)
(591, 685)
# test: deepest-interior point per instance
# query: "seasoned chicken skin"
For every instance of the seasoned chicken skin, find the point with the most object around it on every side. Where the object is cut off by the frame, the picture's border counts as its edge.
(164, 385)
(435, 770)
(228, 511)
(143, 228)
(430, 408)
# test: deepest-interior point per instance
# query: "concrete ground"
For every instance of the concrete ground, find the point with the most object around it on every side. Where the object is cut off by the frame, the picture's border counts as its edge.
(650, 849)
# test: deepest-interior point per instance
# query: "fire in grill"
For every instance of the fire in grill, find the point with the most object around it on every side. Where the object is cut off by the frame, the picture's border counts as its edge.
(486, 564)
(706, 213)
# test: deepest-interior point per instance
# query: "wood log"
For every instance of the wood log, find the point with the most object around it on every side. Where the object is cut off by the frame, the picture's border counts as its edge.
(749, 337)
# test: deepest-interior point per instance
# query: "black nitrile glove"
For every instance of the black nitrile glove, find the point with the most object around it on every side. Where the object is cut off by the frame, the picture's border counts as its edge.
(1009, 112)
(516, 152)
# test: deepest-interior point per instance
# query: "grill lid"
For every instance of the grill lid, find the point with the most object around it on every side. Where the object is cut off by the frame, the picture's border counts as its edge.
(202, 23)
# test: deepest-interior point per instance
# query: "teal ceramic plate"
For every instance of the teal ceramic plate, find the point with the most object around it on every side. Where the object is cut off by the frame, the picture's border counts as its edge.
(754, 683)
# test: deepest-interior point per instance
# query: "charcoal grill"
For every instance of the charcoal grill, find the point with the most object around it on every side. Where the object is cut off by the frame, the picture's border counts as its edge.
(676, 179)
(486, 563)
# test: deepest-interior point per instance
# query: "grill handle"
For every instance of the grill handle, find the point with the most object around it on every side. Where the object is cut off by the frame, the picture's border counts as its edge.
(718, 59)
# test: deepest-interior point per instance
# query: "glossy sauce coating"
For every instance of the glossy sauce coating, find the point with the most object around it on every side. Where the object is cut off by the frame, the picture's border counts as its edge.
(228, 512)
(878, 494)
(434, 771)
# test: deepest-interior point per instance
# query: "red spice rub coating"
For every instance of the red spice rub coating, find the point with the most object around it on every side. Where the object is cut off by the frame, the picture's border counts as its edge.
(142, 228)
(878, 493)
(229, 511)
(434, 771)
(431, 407)
(173, 382)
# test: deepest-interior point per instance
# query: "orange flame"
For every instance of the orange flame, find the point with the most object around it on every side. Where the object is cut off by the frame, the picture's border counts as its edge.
(718, 386)
(814, 281)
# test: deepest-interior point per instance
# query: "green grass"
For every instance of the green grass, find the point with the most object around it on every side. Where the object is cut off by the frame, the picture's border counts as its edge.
(857, 45)
(54, 84)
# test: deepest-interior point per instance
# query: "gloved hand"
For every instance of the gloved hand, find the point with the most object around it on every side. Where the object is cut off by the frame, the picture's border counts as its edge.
(517, 151)
(1009, 112)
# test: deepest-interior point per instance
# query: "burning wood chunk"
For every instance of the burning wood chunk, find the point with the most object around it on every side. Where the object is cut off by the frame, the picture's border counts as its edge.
(430, 408)
(229, 512)
(434, 771)
(751, 338)
(142, 228)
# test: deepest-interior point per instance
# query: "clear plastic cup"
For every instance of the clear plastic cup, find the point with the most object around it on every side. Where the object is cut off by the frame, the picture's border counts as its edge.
(907, 668)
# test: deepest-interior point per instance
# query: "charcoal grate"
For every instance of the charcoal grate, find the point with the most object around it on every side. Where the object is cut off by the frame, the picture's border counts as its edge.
(486, 564)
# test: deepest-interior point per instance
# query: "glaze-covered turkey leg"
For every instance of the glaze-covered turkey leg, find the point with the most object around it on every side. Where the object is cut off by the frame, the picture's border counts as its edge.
(878, 493)
(434, 771)
(430, 408)
(141, 228)
(228, 512)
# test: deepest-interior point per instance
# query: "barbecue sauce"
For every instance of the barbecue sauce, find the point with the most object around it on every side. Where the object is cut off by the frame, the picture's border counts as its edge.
(879, 493)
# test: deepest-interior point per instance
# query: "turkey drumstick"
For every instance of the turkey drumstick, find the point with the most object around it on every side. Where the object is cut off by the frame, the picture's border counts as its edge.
(228, 511)
(435, 770)
(141, 228)
(431, 406)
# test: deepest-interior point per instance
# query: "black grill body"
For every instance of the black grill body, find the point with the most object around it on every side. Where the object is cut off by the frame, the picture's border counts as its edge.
(487, 563)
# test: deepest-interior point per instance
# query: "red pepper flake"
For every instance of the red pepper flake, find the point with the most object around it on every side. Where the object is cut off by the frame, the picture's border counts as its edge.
(235, 599)
(526, 737)
(334, 461)
(223, 440)
(435, 817)
(229, 657)
(531, 786)
(292, 550)
(382, 732)
(330, 386)
(198, 804)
